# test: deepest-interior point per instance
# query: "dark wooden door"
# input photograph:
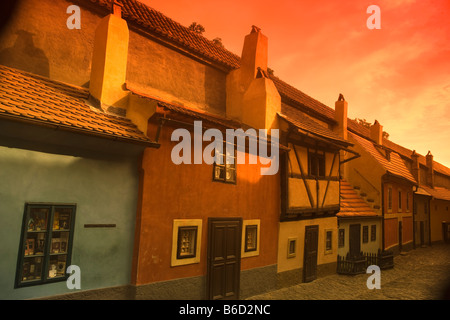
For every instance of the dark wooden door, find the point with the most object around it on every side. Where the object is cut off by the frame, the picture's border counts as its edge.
(400, 236)
(355, 240)
(310, 256)
(422, 233)
(224, 258)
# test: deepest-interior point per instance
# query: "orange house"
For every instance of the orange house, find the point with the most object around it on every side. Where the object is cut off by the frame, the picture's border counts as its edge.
(202, 231)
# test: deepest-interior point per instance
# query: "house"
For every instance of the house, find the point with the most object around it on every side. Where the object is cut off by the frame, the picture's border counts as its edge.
(309, 197)
(69, 190)
(431, 200)
(155, 219)
(360, 227)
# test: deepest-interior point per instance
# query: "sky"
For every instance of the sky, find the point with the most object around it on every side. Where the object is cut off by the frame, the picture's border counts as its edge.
(398, 75)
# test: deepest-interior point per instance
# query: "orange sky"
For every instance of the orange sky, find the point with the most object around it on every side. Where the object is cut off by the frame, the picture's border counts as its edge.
(399, 75)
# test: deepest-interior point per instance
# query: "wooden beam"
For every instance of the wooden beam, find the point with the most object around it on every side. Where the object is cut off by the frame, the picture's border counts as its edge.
(311, 201)
(328, 182)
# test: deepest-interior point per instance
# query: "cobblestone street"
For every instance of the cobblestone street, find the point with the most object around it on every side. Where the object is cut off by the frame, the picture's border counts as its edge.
(420, 274)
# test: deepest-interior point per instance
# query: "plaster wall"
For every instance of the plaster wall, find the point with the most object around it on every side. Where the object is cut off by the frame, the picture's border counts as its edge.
(368, 247)
(439, 212)
(105, 192)
(296, 230)
(187, 191)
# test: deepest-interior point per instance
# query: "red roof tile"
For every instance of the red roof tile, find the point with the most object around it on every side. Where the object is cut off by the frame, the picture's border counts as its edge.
(438, 192)
(291, 94)
(352, 205)
(394, 165)
(24, 96)
(303, 122)
(154, 22)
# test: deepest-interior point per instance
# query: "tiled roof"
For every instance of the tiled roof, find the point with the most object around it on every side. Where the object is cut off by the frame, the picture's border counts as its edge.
(154, 22)
(438, 192)
(24, 96)
(190, 112)
(303, 122)
(352, 205)
(291, 94)
(422, 159)
(394, 165)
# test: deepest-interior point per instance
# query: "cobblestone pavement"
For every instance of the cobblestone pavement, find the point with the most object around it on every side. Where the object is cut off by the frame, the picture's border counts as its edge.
(420, 274)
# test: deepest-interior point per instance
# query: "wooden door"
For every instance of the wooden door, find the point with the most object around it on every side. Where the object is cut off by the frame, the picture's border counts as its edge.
(400, 236)
(310, 255)
(422, 233)
(224, 258)
(355, 240)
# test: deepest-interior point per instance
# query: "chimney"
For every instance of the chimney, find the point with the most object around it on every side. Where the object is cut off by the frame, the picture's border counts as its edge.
(430, 171)
(109, 62)
(415, 169)
(254, 54)
(340, 115)
(252, 97)
(376, 132)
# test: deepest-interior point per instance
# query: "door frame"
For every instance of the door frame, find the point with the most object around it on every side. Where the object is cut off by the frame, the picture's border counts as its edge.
(211, 221)
(354, 226)
(305, 253)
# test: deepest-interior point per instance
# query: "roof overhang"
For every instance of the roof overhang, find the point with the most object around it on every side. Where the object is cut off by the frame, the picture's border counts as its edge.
(56, 139)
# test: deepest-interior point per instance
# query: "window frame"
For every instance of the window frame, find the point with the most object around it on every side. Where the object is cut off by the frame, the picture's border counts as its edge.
(184, 224)
(291, 254)
(179, 242)
(328, 241)
(373, 233)
(225, 166)
(400, 198)
(341, 238)
(365, 234)
(321, 163)
(47, 254)
(255, 226)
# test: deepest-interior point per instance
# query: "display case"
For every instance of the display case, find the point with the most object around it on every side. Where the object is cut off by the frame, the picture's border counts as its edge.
(46, 244)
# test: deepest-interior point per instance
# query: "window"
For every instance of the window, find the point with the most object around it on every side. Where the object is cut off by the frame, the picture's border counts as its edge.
(46, 244)
(390, 198)
(186, 238)
(316, 164)
(407, 201)
(341, 242)
(414, 207)
(292, 247)
(373, 232)
(187, 242)
(328, 240)
(225, 171)
(251, 237)
(425, 208)
(399, 200)
(365, 234)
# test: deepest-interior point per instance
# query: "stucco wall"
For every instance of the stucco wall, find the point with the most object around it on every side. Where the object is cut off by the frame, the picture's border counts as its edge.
(368, 247)
(37, 40)
(439, 211)
(296, 230)
(159, 71)
(193, 195)
(105, 193)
